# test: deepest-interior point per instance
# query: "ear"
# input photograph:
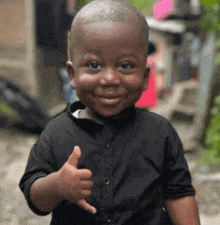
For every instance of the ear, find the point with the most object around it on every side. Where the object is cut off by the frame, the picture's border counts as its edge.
(70, 70)
(146, 78)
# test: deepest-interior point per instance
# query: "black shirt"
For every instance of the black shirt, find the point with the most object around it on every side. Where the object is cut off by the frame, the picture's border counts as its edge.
(137, 162)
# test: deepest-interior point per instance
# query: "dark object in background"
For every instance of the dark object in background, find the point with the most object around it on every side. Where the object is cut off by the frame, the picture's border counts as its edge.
(19, 109)
(52, 23)
(151, 48)
(177, 39)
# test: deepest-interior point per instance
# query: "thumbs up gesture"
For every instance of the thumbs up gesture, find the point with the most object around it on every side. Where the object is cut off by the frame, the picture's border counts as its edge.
(75, 185)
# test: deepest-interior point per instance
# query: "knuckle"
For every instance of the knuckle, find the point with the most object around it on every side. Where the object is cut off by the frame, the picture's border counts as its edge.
(86, 193)
(89, 194)
(91, 184)
(90, 173)
(77, 183)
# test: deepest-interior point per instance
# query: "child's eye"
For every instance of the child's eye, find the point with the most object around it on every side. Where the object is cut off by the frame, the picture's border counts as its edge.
(126, 65)
(93, 65)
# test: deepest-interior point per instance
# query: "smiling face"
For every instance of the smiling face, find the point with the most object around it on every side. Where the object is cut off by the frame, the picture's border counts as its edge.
(109, 67)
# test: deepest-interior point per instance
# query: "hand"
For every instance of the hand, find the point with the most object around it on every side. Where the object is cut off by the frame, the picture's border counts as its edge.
(75, 185)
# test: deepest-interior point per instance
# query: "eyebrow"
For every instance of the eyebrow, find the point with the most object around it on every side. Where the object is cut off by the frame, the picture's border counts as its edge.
(99, 52)
(94, 51)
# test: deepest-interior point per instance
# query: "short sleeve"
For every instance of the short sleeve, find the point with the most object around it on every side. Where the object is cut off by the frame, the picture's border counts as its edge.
(177, 179)
(40, 164)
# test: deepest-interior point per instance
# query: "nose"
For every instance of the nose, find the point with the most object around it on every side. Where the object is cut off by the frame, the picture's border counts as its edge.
(110, 77)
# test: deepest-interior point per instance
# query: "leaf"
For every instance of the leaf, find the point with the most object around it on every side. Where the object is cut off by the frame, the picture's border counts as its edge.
(217, 59)
(204, 159)
(213, 132)
(83, 2)
(218, 25)
(208, 2)
(209, 19)
(141, 4)
(215, 111)
(217, 100)
(217, 44)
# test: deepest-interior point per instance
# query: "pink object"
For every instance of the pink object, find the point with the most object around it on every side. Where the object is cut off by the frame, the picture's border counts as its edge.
(149, 97)
(162, 9)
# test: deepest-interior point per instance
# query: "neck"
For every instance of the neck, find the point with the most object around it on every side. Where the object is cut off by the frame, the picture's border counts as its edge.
(101, 119)
(88, 114)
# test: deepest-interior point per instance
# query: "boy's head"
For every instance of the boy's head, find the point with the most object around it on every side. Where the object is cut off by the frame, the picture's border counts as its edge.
(108, 46)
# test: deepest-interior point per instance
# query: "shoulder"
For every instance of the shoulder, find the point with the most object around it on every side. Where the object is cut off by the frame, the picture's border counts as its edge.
(153, 119)
(64, 123)
(156, 126)
(58, 125)
(65, 120)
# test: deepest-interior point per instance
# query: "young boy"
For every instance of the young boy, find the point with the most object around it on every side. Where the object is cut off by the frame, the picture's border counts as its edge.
(103, 161)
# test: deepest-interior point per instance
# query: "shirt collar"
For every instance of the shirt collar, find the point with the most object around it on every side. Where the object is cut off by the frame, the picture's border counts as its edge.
(123, 117)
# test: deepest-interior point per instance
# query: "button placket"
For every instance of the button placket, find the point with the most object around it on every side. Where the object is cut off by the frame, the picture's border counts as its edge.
(106, 180)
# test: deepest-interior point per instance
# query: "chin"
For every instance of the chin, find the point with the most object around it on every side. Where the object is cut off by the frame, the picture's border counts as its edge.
(108, 113)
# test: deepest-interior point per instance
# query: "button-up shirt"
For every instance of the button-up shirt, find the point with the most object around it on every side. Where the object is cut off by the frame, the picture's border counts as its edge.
(137, 162)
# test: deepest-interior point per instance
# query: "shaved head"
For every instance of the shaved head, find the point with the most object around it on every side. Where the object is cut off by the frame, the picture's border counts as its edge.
(110, 11)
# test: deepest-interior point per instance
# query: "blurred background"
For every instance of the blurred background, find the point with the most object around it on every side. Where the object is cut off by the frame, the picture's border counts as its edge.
(185, 88)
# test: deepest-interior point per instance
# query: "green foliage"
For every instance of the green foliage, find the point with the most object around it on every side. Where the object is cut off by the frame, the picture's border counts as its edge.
(217, 58)
(8, 112)
(212, 154)
(204, 157)
(210, 22)
(208, 2)
(82, 3)
(140, 4)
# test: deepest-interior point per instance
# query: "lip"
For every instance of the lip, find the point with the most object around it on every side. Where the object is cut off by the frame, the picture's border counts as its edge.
(110, 100)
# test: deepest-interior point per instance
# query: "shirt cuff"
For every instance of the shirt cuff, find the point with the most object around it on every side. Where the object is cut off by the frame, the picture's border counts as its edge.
(26, 191)
(176, 192)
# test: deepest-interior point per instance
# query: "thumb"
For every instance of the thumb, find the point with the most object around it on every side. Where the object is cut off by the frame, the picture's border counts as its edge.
(74, 157)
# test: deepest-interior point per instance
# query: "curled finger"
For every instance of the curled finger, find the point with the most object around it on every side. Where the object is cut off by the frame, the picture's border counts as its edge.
(86, 185)
(85, 194)
(85, 174)
(86, 206)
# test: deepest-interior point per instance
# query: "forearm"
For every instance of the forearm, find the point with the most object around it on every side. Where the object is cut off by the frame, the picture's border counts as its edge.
(183, 211)
(43, 193)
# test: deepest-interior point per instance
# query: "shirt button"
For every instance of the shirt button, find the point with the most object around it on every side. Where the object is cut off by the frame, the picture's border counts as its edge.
(109, 221)
(107, 145)
(106, 181)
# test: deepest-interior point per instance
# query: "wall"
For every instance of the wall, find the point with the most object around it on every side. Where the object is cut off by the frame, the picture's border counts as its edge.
(20, 61)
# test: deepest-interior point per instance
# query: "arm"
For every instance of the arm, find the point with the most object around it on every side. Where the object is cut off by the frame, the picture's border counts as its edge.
(69, 183)
(178, 190)
(43, 193)
(183, 211)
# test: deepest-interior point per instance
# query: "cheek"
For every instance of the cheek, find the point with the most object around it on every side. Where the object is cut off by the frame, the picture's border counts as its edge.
(85, 84)
(134, 84)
